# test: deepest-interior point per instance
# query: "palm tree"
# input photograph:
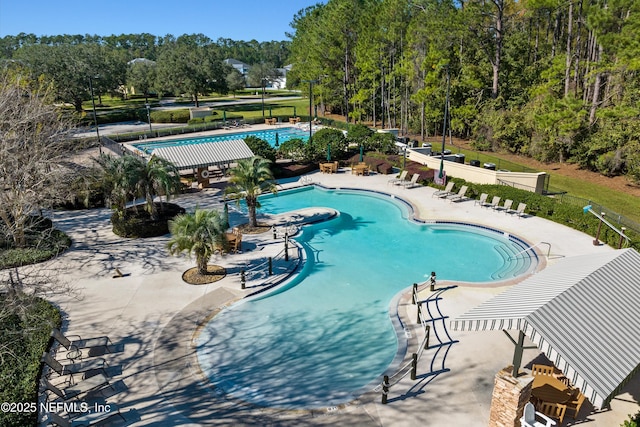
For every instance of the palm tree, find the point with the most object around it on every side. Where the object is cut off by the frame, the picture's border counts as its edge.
(249, 179)
(201, 233)
(156, 177)
(129, 176)
(119, 176)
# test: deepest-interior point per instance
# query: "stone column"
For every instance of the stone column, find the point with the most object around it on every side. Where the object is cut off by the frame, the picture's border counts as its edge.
(509, 397)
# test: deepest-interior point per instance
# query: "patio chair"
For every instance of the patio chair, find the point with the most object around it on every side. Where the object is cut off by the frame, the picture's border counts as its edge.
(494, 203)
(553, 410)
(75, 344)
(77, 389)
(542, 370)
(444, 193)
(519, 211)
(482, 200)
(88, 419)
(506, 206)
(237, 246)
(574, 405)
(74, 368)
(400, 179)
(460, 196)
(529, 418)
(412, 183)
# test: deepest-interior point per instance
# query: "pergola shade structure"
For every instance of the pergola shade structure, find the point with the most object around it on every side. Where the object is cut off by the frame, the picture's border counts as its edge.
(582, 313)
(193, 156)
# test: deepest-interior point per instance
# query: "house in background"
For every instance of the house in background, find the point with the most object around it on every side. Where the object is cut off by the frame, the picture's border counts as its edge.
(238, 65)
(281, 81)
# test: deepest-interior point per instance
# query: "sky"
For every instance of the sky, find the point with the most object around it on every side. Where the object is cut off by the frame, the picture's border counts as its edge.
(237, 20)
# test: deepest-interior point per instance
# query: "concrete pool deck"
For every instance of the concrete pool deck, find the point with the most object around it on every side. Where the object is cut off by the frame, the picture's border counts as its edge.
(150, 315)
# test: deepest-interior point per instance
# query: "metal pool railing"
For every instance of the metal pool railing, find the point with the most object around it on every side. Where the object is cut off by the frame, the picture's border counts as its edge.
(432, 325)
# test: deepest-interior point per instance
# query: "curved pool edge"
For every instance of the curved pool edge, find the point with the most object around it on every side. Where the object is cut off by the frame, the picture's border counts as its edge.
(405, 343)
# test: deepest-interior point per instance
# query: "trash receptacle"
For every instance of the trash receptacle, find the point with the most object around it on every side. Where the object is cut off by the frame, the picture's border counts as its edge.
(474, 163)
(490, 166)
(460, 158)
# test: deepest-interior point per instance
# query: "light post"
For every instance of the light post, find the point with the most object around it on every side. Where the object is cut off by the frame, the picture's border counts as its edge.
(95, 117)
(149, 117)
(262, 80)
(311, 82)
(444, 126)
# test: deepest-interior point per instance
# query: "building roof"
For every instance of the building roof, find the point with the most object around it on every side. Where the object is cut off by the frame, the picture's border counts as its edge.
(582, 313)
(194, 156)
(142, 61)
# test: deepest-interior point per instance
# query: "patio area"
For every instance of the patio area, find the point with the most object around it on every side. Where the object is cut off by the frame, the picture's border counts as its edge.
(151, 315)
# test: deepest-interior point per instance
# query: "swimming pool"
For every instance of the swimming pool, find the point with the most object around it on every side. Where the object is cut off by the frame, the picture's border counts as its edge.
(283, 134)
(326, 337)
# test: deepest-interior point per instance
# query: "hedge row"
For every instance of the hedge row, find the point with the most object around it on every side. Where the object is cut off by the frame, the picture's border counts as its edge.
(170, 116)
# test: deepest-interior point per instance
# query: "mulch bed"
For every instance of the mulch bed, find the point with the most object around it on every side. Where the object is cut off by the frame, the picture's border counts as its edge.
(247, 229)
(214, 273)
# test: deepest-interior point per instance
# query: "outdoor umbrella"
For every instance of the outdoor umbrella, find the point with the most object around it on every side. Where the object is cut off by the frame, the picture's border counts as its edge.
(294, 111)
(361, 153)
(270, 115)
(329, 153)
(277, 140)
(224, 117)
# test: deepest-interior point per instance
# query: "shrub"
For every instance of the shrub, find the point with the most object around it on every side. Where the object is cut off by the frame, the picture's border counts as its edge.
(358, 134)
(292, 149)
(261, 148)
(138, 224)
(321, 140)
(170, 116)
(27, 336)
(43, 243)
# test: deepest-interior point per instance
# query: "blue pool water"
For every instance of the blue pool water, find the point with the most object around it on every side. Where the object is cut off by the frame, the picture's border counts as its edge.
(326, 337)
(284, 134)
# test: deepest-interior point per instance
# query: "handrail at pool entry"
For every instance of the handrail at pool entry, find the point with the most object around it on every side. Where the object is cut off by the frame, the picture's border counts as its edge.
(533, 246)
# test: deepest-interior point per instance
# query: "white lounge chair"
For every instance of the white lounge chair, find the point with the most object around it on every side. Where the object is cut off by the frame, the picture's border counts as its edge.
(494, 203)
(529, 417)
(446, 192)
(519, 211)
(412, 183)
(482, 200)
(399, 180)
(460, 196)
(506, 206)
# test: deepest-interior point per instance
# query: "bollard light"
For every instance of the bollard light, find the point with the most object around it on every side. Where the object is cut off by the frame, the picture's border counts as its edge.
(432, 281)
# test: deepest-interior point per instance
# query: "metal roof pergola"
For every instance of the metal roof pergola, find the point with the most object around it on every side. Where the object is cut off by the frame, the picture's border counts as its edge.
(193, 156)
(582, 313)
